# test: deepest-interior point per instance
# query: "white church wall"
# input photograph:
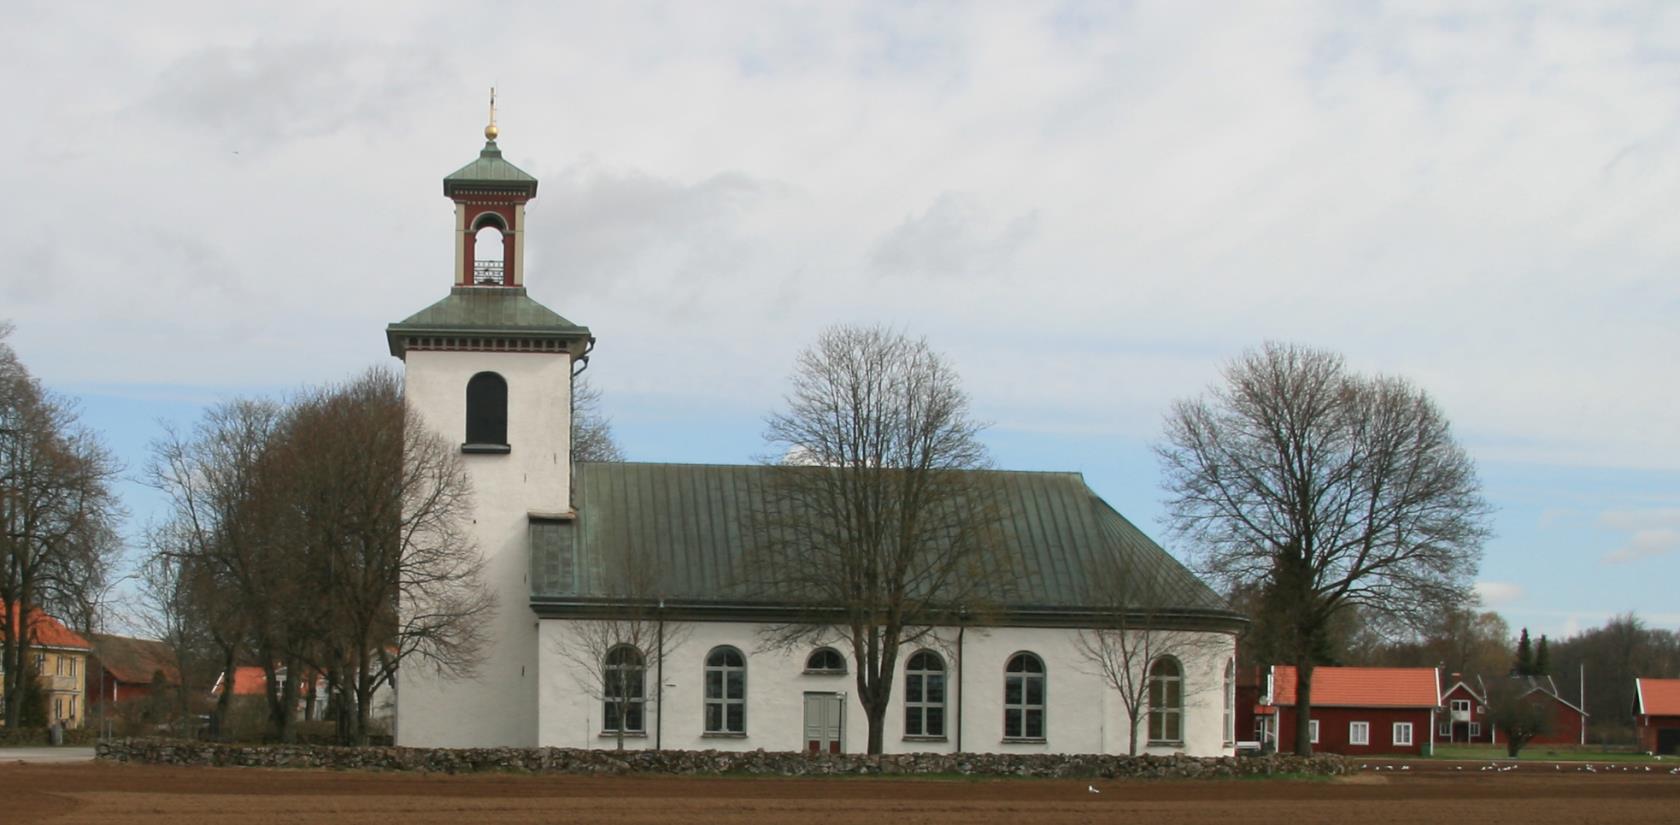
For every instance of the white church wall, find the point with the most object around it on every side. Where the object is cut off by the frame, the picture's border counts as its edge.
(499, 707)
(1082, 714)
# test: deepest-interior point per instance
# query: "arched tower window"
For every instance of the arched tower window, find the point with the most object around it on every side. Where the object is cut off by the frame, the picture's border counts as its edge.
(487, 413)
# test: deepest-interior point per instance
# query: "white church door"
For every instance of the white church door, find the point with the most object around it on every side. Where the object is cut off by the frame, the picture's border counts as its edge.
(824, 717)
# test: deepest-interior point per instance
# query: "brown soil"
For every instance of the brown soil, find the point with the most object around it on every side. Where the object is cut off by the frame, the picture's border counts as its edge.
(117, 794)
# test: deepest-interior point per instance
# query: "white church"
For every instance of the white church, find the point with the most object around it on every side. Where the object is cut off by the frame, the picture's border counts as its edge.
(491, 368)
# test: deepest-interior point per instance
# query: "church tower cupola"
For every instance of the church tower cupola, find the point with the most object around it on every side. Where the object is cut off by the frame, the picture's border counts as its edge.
(487, 309)
(490, 196)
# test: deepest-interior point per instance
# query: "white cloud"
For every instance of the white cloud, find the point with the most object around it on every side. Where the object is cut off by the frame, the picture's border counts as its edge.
(1114, 187)
(1646, 519)
(1644, 544)
(954, 238)
(1652, 532)
(1495, 595)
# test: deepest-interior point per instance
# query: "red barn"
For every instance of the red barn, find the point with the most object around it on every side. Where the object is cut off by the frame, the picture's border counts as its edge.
(1361, 710)
(125, 669)
(1466, 717)
(1656, 714)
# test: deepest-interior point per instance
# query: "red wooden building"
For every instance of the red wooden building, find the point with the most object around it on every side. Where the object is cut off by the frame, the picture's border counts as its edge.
(1656, 714)
(125, 669)
(1252, 717)
(1359, 710)
(1466, 718)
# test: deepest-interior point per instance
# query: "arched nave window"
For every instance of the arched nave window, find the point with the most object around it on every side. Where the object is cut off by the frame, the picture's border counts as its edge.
(1230, 701)
(924, 695)
(825, 660)
(726, 691)
(1023, 697)
(1166, 702)
(623, 688)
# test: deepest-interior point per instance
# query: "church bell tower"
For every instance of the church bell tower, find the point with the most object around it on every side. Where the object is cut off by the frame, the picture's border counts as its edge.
(490, 369)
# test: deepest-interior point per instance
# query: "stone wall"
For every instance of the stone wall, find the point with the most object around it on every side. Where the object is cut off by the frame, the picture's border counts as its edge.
(574, 761)
(34, 737)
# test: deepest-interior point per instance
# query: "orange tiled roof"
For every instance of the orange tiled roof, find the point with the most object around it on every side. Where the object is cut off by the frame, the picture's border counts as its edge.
(248, 680)
(1361, 687)
(47, 631)
(1659, 697)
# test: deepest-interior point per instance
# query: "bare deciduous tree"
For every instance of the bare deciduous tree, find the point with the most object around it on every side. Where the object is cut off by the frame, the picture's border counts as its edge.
(875, 518)
(213, 536)
(1333, 489)
(415, 587)
(168, 612)
(592, 435)
(297, 531)
(57, 517)
(1139, 629)
(620, 641)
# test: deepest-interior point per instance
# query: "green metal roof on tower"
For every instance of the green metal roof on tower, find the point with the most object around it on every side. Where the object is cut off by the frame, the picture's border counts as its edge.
(488, 313)
(490, 171)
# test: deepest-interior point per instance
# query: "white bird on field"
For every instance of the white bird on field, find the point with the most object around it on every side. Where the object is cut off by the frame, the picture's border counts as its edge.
(1092, 789)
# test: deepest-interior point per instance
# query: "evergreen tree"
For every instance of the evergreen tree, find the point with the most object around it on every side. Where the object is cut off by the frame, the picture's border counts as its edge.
(1525, 657)
(32, 711)
(1542, 658)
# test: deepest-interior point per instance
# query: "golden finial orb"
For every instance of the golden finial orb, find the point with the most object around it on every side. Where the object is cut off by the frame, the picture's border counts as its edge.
(491, 131)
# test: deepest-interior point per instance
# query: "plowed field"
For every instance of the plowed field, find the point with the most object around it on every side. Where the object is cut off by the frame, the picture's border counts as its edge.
(110, 794)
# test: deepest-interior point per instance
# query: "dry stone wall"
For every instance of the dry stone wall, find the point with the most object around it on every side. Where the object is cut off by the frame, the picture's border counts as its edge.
(35, 737)
(574, 761)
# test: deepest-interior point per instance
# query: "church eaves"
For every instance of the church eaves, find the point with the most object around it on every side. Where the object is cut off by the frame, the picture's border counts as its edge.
(489, 316)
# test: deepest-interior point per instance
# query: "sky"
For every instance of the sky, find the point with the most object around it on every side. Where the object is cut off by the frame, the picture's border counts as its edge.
(1089, 208)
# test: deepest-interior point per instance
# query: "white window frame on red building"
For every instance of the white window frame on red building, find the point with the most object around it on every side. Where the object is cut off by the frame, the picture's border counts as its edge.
(1359, 733)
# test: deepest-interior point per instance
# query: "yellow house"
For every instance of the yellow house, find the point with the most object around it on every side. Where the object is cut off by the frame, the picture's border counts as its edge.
(60, 657)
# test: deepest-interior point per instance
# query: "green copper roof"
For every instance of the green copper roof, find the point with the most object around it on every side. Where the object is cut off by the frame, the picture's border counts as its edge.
(697, 521)
(490, 171)
(486, 312)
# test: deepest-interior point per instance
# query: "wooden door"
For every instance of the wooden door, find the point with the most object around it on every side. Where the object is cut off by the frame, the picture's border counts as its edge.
(824, 728)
